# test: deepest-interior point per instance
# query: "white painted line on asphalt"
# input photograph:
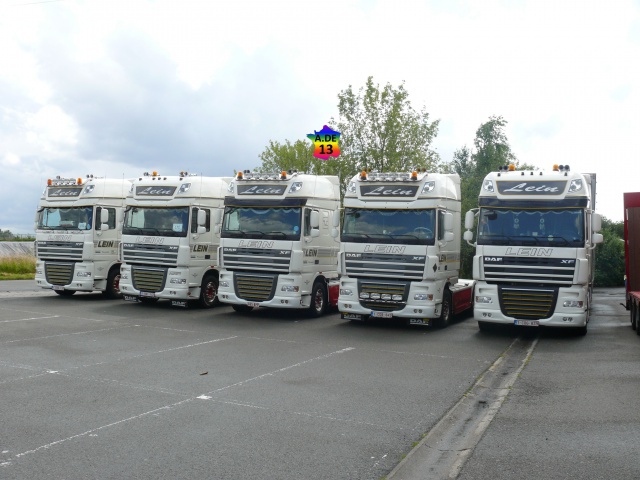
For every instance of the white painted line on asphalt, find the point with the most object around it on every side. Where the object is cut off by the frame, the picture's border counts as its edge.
(84, 332)
(173, 405)
(27, 319)
(321, 357)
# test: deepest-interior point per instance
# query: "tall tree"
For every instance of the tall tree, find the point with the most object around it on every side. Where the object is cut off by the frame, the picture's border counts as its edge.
(379, 130)
(491, 150)
(382, 131)
(610, 266)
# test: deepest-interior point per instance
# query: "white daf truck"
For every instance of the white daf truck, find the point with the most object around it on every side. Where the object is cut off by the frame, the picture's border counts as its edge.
(170, 239)
(400, 248)
(536, 239)
(77, 239)
(276, 248)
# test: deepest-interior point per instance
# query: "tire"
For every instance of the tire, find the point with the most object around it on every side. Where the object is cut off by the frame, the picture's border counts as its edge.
(241, 308)
(636, 318)
(581, 331)
(445, 311)
(65, 293)
(209, 292)
(113, 284)
(633, 316)
(318, 304)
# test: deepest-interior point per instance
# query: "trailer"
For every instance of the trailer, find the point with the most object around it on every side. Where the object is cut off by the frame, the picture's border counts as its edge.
(632, 257)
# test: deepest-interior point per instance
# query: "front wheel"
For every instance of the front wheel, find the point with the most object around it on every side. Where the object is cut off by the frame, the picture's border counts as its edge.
(318, 303)
(113, 284)
(209, 292)
(445, 311)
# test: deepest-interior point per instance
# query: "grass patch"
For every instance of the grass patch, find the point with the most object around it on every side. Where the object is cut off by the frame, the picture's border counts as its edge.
(20, 267)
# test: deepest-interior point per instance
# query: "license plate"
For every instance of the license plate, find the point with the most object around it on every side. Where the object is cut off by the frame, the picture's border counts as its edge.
(179, 303)
(253, 304)
(147, 294)
(382, 314)
(58, 287)
(351, 316)
(130, 298)
(419, 321)
(528, 323)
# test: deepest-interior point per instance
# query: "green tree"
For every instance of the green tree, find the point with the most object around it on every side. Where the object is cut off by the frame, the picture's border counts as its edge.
(610, 266)
(491, 150)
(379, 130)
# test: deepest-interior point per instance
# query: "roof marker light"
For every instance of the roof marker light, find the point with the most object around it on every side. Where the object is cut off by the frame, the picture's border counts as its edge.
(512, 167)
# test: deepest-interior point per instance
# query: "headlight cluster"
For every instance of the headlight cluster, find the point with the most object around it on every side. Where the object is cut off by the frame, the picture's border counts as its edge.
(224, 283)
(290, 288)
(423, 296)
(381, 296)
(573, 303)
(483, 299)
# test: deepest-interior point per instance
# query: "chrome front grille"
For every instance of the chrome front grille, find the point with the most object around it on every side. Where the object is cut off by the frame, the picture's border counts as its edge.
(380, 296)
(541, 270)
(58, 273)
(377, 265)
(255, 288)
(527, 303)
(148, 254)
(256, 259)
(148, 279)
(51, 250)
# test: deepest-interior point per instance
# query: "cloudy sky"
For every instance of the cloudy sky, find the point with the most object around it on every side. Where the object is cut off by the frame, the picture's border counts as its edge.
(118, 87)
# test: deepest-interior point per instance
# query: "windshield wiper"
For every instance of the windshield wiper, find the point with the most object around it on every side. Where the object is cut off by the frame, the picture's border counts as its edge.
(284, 235)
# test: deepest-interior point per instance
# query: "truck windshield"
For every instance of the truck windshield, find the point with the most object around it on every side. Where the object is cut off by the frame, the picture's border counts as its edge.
(74, 218)
(412, 227)
(255, 222)
(165, 222)
(560, 228)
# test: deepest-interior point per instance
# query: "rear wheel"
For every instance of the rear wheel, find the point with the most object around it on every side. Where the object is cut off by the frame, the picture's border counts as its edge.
(241, 308)
(318, 303)
(581, 331)
(113, 284)
(636, 317)
(65, 293)
(209, 292)
(445, 310)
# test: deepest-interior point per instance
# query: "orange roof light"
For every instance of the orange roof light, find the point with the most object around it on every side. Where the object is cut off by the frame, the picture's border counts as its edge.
(79, 181)
(239, 176)
(556, 167)
(512, 167)
(155, 174)
(49, 182)
(363, 175)
(414, 175)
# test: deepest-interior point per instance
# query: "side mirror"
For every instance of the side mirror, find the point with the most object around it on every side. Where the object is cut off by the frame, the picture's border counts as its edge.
(335, 233)
(448, 223)
(104, 215)
(596, 222)
(217, 216)
(597, 238)
(336, 218)
(315, 232)
(467, 236)
(448, 236)
(201, 229)
(469, 220)
(315, 219)
(202, 219)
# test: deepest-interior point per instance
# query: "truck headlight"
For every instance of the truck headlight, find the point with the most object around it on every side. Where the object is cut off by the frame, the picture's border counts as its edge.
(124, 276)
(346, 291)
(423, 296)
(573, 303)
(83, 274)
(290, 288)
(178, 281)
(224, 283)
(39, 271)
(483, 299)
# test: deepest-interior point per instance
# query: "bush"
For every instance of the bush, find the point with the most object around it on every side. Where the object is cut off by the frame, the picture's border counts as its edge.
(17, 267)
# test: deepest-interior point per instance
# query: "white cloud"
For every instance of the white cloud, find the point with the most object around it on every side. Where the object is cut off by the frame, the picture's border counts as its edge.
(121, 87)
